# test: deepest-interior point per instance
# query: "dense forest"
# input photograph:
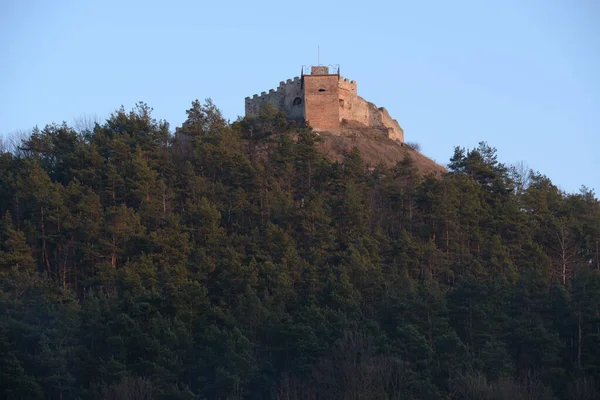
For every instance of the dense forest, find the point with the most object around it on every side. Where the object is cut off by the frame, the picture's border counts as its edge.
(235, 261)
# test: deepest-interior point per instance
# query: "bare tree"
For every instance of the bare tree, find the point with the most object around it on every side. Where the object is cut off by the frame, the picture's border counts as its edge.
(521, 174)
(129, 388)
(584, 389)
(85, 123)
(15, 141)
(476, 386)
(566, 249)
(355, 370)
(413, 145)
(294, 388)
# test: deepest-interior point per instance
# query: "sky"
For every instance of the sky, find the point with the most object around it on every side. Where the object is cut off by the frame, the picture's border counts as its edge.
(522, 75)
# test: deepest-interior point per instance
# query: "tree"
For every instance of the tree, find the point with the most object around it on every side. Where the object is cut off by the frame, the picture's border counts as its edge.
(14, 251)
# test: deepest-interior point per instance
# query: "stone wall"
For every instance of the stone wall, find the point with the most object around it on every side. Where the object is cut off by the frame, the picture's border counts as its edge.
(348, 85)
(354, 108)
(288, 97)
(319, 70)
(394, 130)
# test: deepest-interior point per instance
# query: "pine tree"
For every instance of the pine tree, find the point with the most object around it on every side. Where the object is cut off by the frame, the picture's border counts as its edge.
(15, 254)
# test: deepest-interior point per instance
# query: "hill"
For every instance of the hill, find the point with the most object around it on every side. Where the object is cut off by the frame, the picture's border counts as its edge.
(237, 261)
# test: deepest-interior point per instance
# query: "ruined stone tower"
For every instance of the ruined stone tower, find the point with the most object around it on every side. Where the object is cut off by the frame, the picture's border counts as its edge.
(325, 101)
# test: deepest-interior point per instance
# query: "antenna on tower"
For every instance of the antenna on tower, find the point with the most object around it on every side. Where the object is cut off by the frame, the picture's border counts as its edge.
(318, 55)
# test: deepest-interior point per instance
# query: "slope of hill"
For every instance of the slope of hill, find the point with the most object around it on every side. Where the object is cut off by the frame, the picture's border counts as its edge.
(374, 147)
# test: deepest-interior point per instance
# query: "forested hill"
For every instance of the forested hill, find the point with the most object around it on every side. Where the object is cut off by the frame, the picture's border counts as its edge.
(138, 264)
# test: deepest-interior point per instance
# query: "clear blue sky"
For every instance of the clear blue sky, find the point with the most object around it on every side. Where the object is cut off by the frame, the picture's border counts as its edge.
(523, 75)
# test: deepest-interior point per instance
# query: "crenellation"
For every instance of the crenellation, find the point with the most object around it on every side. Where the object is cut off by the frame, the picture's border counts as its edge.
(347, 84)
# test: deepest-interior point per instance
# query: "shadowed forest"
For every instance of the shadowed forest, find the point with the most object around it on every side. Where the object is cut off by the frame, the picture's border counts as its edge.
(235, 261)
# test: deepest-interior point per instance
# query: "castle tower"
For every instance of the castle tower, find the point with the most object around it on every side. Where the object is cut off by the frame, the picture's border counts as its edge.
(321, 99)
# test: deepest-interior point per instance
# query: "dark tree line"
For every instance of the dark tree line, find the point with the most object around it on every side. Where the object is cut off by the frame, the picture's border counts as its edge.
(234, 260)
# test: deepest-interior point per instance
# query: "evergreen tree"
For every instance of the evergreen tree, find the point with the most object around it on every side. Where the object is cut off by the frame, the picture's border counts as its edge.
(237, 261)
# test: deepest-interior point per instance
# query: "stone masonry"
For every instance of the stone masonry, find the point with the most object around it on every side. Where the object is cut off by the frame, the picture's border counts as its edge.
(324, 101)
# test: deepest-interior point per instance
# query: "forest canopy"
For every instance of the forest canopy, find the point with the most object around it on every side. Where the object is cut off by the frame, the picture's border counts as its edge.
(235, 261)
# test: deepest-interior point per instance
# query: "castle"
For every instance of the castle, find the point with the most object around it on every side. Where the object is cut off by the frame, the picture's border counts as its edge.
(325, 101)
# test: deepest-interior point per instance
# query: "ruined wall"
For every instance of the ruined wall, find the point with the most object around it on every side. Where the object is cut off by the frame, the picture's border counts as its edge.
(321, 93)
(288, 97)
(354, 108)
(394, 130)
(348, 86)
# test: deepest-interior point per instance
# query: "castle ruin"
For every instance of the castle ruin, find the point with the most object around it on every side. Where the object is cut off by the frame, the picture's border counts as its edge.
(325, 101)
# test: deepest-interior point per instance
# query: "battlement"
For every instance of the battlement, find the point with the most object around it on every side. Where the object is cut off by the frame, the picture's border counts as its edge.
(288, 96)
(345, 83)
(296, 80)
(283, 85)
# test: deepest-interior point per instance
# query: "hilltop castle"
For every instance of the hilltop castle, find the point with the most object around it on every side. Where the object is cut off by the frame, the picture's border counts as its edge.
(325, 101)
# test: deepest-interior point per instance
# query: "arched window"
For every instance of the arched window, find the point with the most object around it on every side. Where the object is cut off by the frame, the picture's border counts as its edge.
(297, 101)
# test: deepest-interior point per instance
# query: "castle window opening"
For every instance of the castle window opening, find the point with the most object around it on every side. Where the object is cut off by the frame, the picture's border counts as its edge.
(297, 101)
(342, 103)
(322, 90)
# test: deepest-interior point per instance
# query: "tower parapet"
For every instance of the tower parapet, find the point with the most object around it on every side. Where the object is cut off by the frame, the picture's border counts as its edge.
(319, 70)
